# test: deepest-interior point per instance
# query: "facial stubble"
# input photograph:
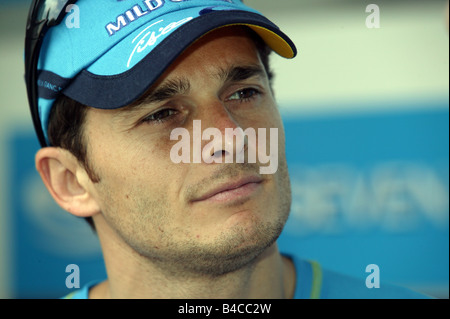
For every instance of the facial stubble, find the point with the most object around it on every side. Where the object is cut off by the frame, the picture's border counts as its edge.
(175, 251)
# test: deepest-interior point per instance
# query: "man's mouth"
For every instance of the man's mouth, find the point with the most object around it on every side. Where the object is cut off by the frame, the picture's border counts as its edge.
(231, 191)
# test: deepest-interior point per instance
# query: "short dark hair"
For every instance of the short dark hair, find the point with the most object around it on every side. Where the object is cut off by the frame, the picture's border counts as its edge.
(67, 119)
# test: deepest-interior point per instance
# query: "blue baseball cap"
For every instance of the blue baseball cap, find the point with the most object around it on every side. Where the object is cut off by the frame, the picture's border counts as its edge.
(120, 47)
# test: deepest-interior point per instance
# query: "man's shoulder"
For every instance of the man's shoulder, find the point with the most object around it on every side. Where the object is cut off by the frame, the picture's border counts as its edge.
(82, 293)
(315, 282)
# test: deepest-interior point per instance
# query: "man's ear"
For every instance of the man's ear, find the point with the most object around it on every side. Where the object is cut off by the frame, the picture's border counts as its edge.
(66, 180)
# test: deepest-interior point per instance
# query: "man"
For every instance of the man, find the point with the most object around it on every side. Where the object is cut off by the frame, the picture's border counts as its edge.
(121, 97)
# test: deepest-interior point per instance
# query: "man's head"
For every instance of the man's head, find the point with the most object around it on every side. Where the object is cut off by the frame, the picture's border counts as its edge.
(114, 165)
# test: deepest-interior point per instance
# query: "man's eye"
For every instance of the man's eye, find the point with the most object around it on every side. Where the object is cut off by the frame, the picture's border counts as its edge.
(244, 95)
(160, 116)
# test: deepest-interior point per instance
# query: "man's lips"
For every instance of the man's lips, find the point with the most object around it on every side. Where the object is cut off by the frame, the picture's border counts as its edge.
(233, 190)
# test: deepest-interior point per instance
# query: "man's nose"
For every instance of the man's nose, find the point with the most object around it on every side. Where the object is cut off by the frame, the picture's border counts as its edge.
(224, 139)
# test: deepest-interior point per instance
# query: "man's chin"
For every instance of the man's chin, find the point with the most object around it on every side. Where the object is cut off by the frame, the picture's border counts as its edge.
(231, 250)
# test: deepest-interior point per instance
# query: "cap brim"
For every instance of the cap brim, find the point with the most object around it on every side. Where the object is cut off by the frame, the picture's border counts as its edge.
(117, 90)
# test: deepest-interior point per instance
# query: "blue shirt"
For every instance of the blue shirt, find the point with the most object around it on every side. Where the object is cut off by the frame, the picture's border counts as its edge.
(314, 282)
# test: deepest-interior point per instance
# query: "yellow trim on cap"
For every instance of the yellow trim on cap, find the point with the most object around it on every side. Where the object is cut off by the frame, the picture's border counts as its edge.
(277, 43)
(273, 40)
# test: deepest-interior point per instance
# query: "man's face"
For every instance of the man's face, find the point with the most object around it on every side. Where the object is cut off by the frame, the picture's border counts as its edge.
(190, 217)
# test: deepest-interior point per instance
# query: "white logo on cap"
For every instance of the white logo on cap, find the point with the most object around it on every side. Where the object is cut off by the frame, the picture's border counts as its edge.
(148, 39)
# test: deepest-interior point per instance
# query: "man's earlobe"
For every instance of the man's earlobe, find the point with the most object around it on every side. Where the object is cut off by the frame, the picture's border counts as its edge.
(60, 171)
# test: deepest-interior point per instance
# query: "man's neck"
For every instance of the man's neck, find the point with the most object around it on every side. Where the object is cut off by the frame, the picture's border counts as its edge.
(268, 276)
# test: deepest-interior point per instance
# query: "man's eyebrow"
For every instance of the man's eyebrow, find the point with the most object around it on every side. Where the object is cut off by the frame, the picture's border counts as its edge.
(181, 86)
(241, 73)
(167, 90)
